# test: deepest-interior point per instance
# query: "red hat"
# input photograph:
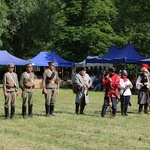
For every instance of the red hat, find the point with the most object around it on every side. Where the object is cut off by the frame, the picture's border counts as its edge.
(145, 66)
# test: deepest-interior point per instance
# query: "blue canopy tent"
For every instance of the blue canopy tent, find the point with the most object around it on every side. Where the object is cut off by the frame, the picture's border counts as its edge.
(6, 58)
(43, 58)
(144, 61)
(116, 55)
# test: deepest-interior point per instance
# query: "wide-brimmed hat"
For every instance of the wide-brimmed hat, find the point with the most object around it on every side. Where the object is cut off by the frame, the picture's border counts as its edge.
(82, 69)
(112, 69)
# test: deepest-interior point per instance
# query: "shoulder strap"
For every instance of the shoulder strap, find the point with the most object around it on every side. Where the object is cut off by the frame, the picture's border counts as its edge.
(12, 79)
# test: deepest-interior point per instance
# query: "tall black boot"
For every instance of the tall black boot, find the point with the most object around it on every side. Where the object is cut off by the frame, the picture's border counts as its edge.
(140, 108)
(114, 112)
(103, 112)
(77, 108)
(125, 110)
(52, 109)
(30, 110)
(146, 108)
(82, 109)
(24, 111)
(12, 112)
(47, 109)
(6, 112)
(122, 109)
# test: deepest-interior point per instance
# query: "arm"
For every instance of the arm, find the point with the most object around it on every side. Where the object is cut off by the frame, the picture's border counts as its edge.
(22, 82)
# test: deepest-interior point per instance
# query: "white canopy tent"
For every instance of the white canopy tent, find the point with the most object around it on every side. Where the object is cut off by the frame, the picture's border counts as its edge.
(84, 64)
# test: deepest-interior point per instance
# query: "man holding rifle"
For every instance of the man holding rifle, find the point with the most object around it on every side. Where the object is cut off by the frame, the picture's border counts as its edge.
(111, 82)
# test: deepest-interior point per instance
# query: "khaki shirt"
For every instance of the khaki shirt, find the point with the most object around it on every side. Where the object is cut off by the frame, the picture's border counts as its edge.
(27, 81)
(47, 83)
(10, 82)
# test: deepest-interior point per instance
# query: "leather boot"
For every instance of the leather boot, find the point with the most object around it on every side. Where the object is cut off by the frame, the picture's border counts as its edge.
(6, 112)
(82, 109)
(122, 109)
(140, 108)
(12, 112)
(24, 111)
(146, 108)
(125, 110)
(77, 108)
(103, 112)
(47, 109)
(30, 110)
(114, 113)
(52, 109)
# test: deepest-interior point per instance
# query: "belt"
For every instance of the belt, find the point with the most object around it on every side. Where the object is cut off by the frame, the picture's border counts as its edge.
(29, 87)
(9, 86)
(49, 81)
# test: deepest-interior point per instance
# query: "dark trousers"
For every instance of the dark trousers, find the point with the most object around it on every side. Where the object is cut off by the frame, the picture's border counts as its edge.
(124, 104)
(106, 104)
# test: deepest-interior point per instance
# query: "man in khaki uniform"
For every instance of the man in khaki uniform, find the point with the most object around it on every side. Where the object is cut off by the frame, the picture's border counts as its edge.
(50, 88)
(27, 85)
(10, 89)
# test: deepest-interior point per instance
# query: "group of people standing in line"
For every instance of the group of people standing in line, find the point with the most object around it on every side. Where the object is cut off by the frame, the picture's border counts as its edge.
(11, 86)
(114, 85)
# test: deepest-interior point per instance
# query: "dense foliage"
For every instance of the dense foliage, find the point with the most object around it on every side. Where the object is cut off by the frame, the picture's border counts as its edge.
(73, 29)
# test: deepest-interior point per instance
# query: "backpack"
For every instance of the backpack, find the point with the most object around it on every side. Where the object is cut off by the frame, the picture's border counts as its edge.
(75, 88)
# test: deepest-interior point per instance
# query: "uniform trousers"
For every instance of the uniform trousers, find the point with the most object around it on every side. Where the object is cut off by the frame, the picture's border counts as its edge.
(10, 99)
(50, 97)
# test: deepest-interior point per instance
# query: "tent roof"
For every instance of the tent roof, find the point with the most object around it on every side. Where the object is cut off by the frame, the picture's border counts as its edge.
(146, 61)
(84, 64)
(115, 55)
(43, 58)
(6, 58)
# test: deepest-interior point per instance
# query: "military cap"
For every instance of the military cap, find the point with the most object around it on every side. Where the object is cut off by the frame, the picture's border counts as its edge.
(51, 63)
(112, 69)
(11, 65)
(28, 65)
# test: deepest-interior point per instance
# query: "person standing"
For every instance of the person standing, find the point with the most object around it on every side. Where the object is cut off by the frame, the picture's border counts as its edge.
(27, 85)
(125, 92)
(50, 84)
(83, 82)
(111, 82)
(143, 84)
(10, 89)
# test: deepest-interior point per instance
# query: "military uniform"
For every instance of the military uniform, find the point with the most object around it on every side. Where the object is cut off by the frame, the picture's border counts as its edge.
(27, 85)
(10, 89)
(50, 86)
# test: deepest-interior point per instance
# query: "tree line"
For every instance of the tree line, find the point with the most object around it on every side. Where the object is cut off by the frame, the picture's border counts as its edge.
(73, 29)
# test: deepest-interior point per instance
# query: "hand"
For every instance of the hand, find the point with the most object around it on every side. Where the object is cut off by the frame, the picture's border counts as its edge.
(17, 93)
(6, 94)
(57, 91)
(45, 91)
(141, 84)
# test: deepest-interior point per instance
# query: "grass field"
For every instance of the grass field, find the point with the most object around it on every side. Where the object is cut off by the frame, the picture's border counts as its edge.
(67, 131)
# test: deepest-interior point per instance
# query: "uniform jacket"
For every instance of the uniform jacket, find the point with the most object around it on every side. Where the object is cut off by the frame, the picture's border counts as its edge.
(111, 86)
(12, 80)
(50, 83)
(27, 81)
(79, 80)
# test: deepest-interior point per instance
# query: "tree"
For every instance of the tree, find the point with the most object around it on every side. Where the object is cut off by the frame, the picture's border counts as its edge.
(4, 22)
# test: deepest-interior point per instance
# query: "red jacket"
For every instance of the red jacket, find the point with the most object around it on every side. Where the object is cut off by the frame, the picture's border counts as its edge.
(111, 86)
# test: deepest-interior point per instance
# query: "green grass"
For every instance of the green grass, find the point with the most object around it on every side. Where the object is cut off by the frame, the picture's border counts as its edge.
(67, 131)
